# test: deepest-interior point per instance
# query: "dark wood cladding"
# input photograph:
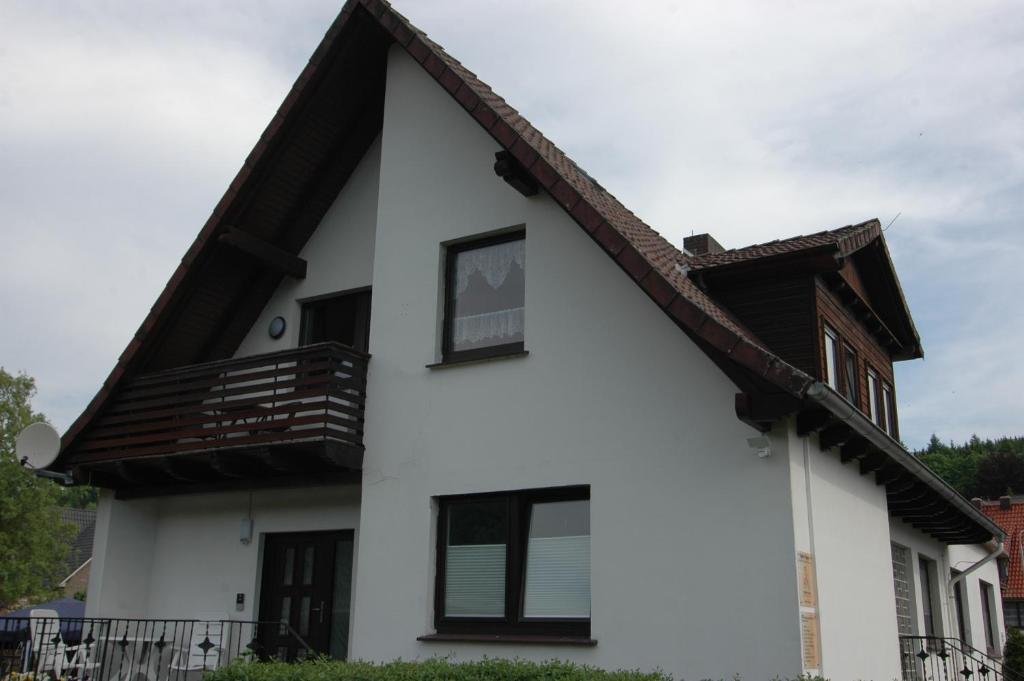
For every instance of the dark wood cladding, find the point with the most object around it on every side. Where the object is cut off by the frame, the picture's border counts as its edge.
(296, 180)
(779, 309)
(870, 353)
(314, 394)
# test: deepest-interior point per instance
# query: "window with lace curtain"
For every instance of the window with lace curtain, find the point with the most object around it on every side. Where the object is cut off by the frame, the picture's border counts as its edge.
(485, 297)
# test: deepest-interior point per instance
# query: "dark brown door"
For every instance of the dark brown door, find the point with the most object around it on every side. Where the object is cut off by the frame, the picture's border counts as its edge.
(307, 581)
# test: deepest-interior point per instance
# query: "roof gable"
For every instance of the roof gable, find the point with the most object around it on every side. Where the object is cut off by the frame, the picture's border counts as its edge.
(857, 252)
(213, 297)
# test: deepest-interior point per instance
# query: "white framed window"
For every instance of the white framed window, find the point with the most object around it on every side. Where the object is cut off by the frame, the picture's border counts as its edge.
(889, 410)
(874, 393)
(831, 358)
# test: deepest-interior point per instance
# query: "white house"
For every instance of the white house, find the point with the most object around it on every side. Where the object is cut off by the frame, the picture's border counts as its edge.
(422, 387)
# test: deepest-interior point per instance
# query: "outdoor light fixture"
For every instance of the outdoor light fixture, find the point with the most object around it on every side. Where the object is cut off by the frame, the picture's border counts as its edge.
(762, 444)
(277, 327)
(245, 531)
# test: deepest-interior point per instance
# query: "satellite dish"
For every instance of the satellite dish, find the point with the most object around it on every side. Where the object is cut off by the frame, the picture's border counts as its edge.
(37, 446)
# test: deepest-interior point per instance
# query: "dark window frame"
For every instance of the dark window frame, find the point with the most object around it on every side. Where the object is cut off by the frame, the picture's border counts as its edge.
(829, 333)
(988, 595)
(931, 609)
(517, 536)
(451, 253)
(362, 298)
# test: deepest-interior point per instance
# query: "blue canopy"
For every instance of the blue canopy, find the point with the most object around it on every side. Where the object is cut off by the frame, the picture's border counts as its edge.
(14, 625)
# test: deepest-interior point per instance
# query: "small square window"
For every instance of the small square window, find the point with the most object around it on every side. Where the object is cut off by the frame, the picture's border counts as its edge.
(514, 563)
(485, 297)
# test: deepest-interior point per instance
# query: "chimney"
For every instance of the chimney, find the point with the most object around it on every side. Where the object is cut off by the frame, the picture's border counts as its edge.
(702, 244)
(976, 502)
(1004, 503)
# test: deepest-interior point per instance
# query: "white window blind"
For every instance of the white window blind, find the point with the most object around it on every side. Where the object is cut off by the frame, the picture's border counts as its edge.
(558, 561)
(475, 581)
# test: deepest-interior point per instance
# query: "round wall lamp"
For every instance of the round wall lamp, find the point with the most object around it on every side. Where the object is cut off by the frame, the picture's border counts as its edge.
(277, 326)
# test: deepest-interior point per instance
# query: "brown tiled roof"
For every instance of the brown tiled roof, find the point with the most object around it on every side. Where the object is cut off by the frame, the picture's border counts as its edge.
(1011, 520)
(845, 239)
(647, 257)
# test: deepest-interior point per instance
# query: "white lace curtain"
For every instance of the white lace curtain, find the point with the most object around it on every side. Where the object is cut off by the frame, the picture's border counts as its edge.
(494, 262)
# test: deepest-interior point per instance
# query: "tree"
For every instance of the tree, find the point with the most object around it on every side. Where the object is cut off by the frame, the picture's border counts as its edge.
(978, 468)
(33, 541)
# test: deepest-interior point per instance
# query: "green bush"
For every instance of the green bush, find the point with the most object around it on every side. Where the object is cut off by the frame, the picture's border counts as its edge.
(430, 670)
(1013, 654)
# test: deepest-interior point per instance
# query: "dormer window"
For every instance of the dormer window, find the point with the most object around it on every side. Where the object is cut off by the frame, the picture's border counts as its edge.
(832, 359)
(485, 297)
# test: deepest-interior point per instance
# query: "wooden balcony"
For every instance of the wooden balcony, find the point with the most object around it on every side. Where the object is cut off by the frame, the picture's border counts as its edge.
(270, 419)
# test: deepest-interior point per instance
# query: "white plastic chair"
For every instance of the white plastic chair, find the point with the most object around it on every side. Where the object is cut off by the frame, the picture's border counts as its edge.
(205, 645)
(49, 652)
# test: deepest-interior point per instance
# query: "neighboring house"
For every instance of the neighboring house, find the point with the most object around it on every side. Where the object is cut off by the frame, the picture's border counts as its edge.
(1009, 513)
(76, 574)
(423, 387)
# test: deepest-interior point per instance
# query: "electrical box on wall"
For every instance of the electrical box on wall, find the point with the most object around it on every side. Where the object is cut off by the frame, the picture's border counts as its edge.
(239, 602)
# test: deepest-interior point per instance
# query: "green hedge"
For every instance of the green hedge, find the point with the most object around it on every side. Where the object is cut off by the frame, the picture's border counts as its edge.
(429, 670)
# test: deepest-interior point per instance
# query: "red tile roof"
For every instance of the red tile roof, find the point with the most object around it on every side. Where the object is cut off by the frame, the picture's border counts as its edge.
(845, 239)
(1011, 520)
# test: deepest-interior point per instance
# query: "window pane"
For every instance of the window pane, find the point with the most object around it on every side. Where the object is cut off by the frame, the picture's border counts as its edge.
(475, 559)
(873, 396)
(831, 377)
(558, 560)
(289, 565)
(489, 296)
(850, 382)
(307, 565)
(890, 411)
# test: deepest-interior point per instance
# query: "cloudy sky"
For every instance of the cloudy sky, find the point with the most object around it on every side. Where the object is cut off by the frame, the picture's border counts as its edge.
(122, 123)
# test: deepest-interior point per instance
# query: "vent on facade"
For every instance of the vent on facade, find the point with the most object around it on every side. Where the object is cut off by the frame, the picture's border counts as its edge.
(702, 244)
(1004, 503)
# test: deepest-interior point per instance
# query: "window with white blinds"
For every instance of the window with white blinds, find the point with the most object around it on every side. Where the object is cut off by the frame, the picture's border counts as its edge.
(515, 562)
(475, 559)
(558, 560)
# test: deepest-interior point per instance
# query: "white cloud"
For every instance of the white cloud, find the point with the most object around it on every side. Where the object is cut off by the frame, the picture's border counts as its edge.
(123, 124)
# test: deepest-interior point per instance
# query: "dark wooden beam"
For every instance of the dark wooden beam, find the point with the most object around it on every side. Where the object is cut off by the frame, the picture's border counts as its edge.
(834, 435)
(760, 410)
(872, 462)
(901, 485)
(268, 254)
(230, 466)
(889, 472)
(854, 448)
(508, 168)
(812, 420)
(270, 482)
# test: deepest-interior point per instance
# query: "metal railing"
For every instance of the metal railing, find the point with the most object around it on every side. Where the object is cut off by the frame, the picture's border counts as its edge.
(105, 649)
(936, 658)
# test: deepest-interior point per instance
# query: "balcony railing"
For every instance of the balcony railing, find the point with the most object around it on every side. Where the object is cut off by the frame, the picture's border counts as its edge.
(934, 658)
(314, 395)
(138, 649)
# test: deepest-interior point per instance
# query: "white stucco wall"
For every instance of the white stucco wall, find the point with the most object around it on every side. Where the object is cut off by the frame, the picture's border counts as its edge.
(122, 557)
(841, 518)
(961, 558)
(339, 257)
(692, 546)
(180, 556)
